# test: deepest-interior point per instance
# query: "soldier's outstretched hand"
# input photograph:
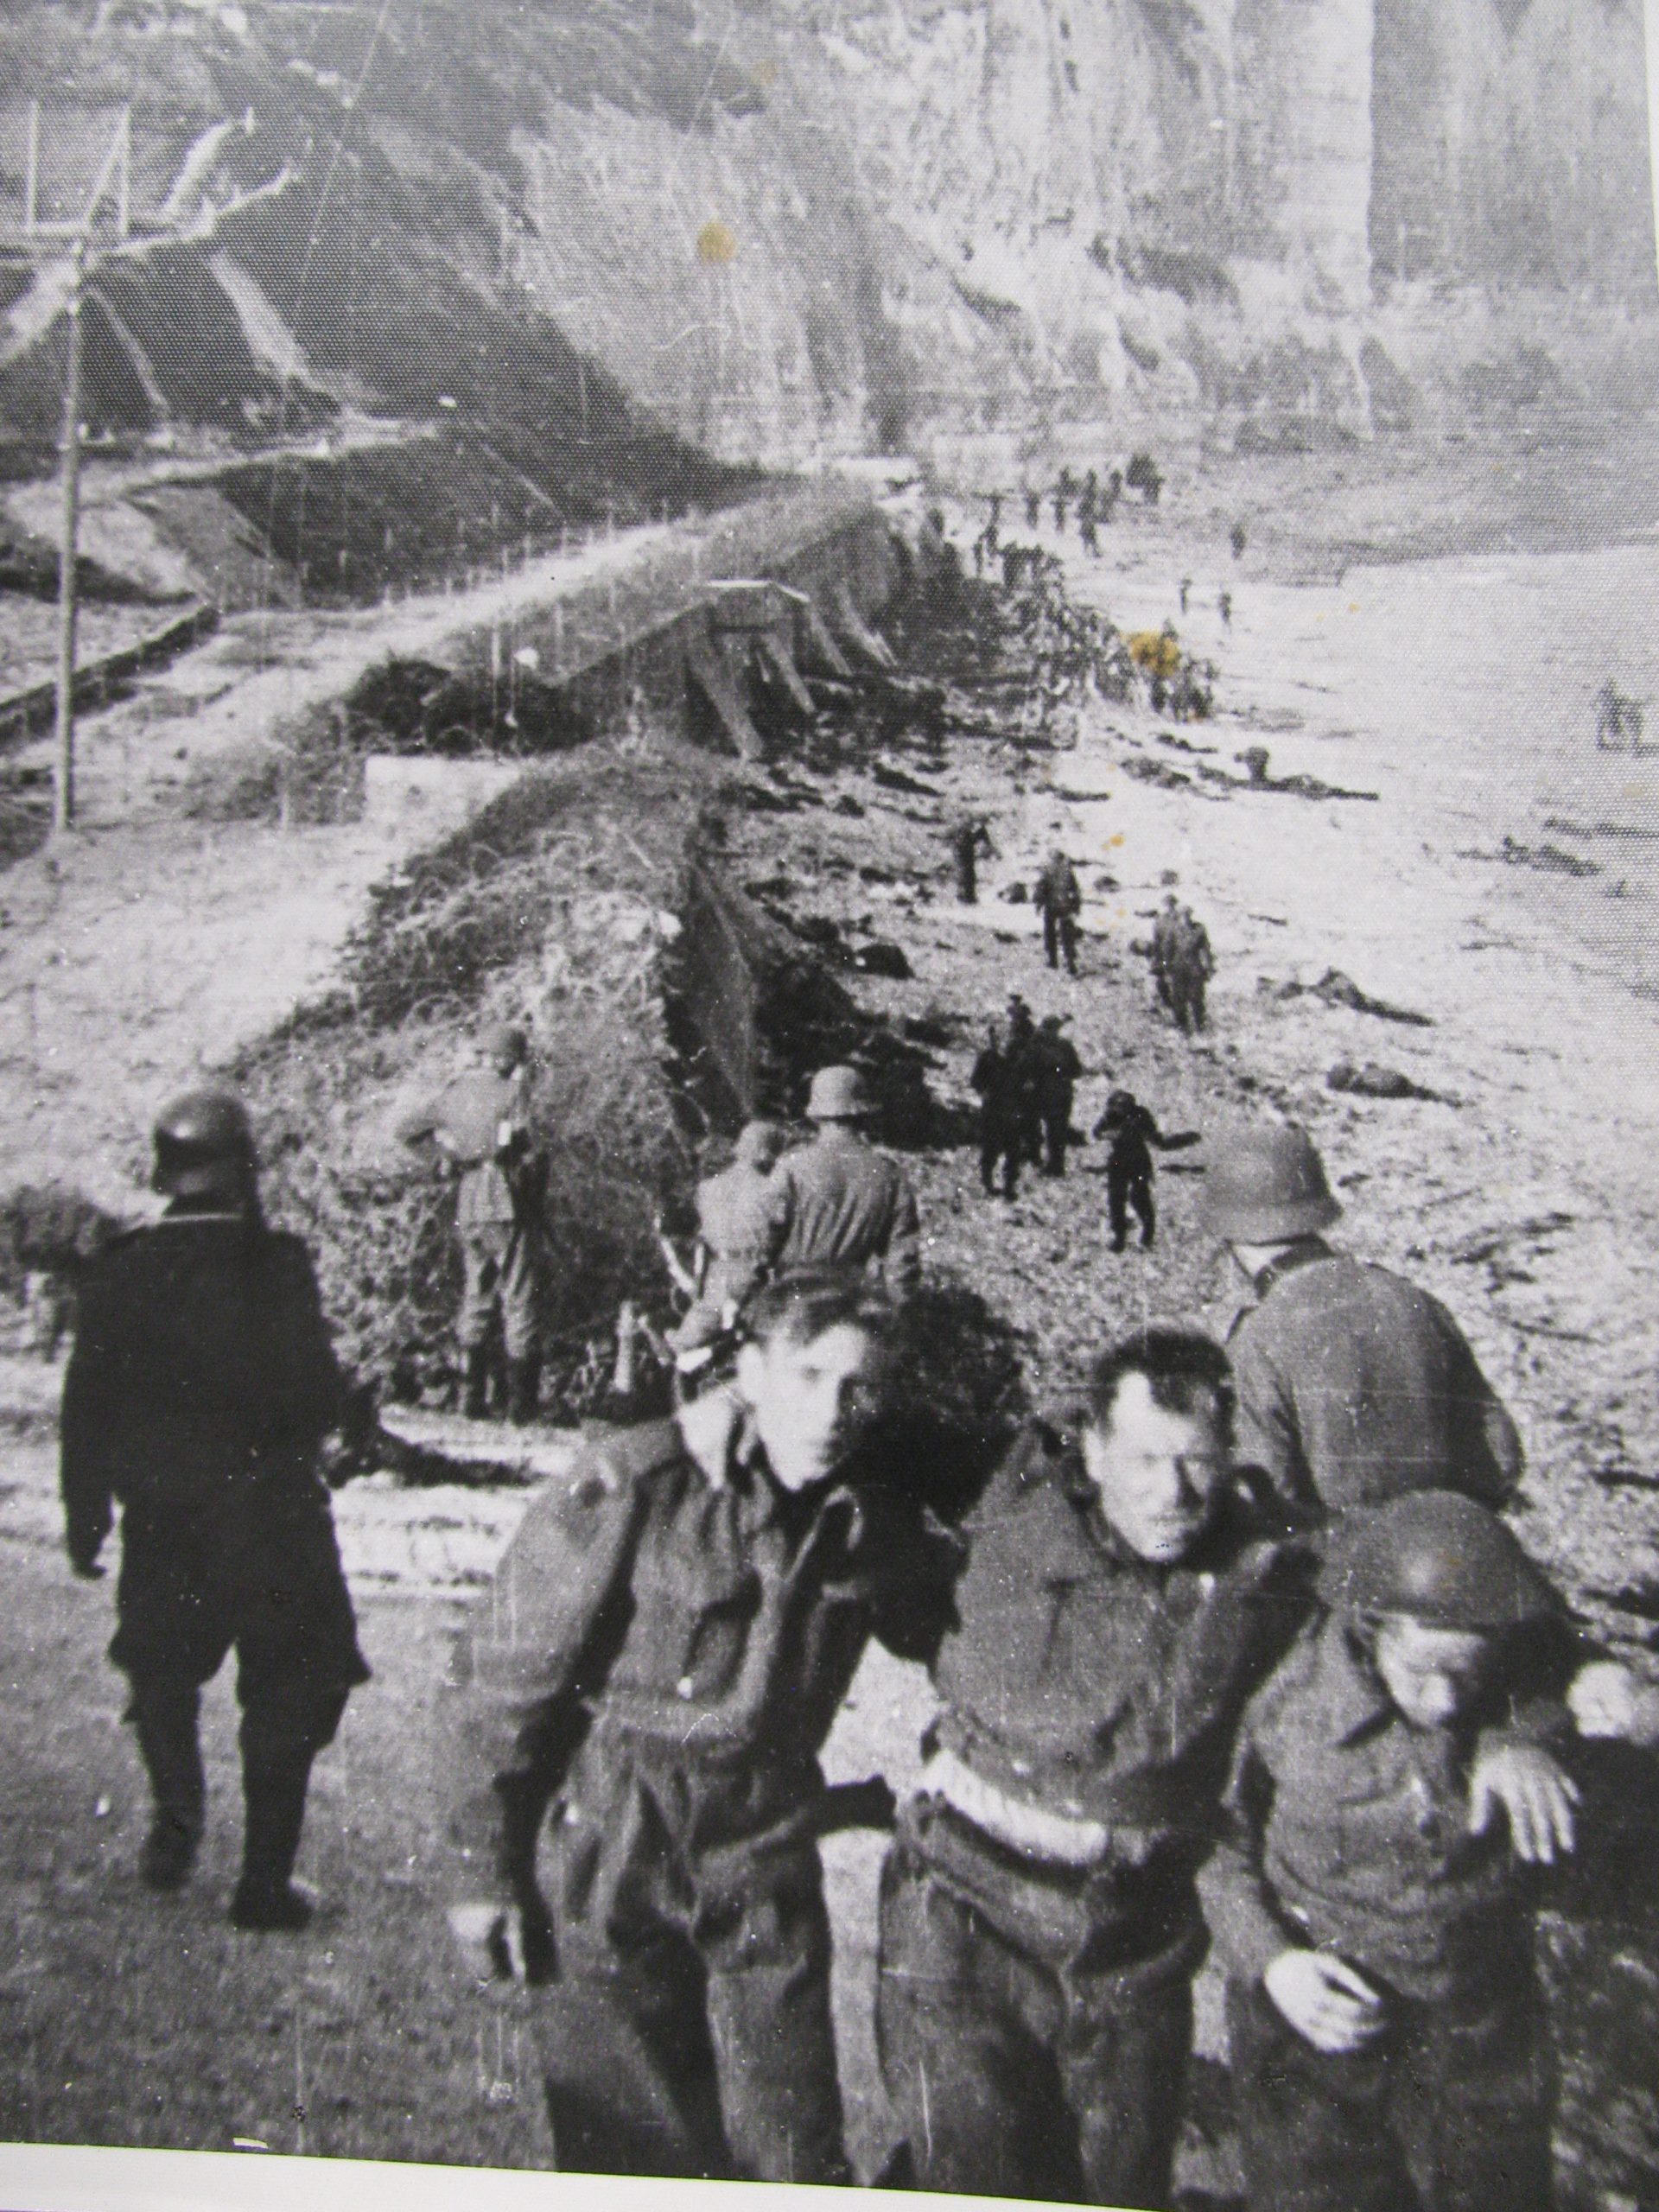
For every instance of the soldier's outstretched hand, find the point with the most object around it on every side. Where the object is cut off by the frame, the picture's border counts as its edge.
(1525, 1782)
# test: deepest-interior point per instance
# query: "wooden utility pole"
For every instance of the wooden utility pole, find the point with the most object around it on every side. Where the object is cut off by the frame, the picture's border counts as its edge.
(63, 779)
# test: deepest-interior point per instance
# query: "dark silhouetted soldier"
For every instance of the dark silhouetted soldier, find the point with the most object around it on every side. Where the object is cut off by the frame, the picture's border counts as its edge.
(1000, 1083)
(202, 1386)
(1058, 1068)
(1133, 1131)
(969, 840)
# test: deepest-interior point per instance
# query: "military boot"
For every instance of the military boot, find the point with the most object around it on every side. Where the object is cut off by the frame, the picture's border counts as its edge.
(164, 1721)
(475, 1400)
(523, 1391)
(274, 1794)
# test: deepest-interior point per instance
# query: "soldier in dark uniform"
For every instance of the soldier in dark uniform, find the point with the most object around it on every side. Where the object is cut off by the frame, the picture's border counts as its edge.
(969, 840)
(642, 1701)
(1134, 1130)
(1001, 1115)
(1039, 1918)
(200, 1387)
(1059, 898)
(1033, 509)
(1020, 1049)
(1058, 1068)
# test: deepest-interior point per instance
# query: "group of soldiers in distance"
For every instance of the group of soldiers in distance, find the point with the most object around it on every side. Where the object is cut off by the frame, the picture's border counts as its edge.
(1235, 1653)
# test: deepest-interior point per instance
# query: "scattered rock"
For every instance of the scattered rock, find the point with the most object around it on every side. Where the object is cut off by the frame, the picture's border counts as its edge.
(882, 959)
(849, 805)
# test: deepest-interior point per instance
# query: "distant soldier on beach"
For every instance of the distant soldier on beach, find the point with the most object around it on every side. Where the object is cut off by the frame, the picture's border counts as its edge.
(1192, 963)
(969, 840)
(999, 1081)
(1057, 1069)
(1134, 1130)
(1034, 508)
(480, 1126)
(1354, 1385)
(1186, 591)
(1165, 932)
(1225, 604)
(1059, 898)
(199, 1391)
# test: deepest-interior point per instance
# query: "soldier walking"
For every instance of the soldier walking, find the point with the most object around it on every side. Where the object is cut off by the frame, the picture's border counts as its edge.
(202, 1385)
(642, 1701)
(1134, 1130)
(969, 840)
(1057, 1068)
(1190, 963)
(837, 1202)
(1354, 1385)
(1059, 898)
(1000, 1083)
(735, 1210)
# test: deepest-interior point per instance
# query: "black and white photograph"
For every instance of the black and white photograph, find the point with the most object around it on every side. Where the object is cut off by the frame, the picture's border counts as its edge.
(830, 1010)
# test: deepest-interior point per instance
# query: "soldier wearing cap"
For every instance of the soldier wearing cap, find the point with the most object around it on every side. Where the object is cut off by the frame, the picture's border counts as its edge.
(200, 1387)
(1040, 1923)
(639, 1706)
(1372, 1902)
(837, 1201)
(1354, 1385)
(481, 1127)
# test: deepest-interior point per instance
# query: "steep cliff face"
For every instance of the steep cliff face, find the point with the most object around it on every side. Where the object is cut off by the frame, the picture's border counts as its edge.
(770, 229)
(1512, 145)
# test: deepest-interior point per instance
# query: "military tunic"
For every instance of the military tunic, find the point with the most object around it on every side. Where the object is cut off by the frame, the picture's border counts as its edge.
(665, 1648)
(1040, 1926)
(840, 1203)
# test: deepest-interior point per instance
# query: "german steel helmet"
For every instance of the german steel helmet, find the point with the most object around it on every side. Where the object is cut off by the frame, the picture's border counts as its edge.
(1439, 1558)
(837, 1095)
(1267, 1184)
(197, 1134)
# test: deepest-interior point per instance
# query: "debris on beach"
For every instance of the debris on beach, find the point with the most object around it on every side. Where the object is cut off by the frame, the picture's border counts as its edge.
(1339, 989)
(1370, 1079)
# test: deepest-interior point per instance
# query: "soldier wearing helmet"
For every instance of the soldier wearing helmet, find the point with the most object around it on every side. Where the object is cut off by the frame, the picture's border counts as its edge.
(838, 1201)
(202, 1385)
(1354, 1385)
(1371, 1903)
(481, 1128)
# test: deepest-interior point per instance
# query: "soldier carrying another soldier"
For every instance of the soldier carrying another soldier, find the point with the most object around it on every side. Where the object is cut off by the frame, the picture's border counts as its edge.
(202, 1386)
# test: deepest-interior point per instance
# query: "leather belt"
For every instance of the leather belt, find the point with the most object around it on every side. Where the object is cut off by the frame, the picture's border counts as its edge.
(1061, 1837)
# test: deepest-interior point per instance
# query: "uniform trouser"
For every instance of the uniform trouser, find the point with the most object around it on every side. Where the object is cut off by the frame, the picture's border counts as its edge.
(1061, 939)
(689, 2030)
(1186, 999)
(1449, 2112)
(1000, 1143)
(1034, 2039)
(1056, 1136)
(1124, 1189)
(501, 1274)
(191, 1592)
